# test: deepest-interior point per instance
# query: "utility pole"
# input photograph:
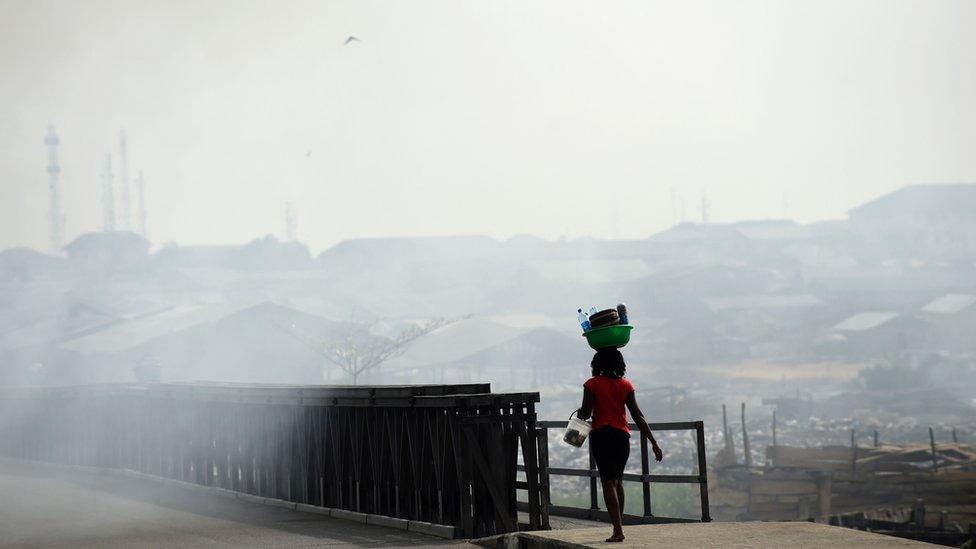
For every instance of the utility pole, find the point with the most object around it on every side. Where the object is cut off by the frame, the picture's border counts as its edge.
(56, 218)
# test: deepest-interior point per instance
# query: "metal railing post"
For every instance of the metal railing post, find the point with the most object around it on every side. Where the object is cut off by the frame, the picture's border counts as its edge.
(702, 471)
(645, 470)
(644, 477)
(593, 501)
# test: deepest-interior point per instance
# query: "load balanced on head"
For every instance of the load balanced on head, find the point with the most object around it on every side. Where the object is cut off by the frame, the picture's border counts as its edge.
(608, 328)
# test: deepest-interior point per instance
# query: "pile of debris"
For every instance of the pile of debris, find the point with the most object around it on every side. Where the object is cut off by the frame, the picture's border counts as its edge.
(804, 483)
(880, 459)
(908, 522)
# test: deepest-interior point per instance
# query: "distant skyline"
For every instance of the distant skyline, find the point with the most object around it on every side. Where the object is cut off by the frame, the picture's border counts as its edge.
(495, 118)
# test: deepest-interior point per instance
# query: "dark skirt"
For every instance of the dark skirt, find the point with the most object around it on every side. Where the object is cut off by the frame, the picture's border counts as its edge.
(611, 448)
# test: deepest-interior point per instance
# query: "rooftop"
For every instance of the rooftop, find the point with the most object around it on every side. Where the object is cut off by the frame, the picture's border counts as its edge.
(132, 332)
(782, 301)
(864, 321)
(939, 199)
(950, 304)
(111, 239)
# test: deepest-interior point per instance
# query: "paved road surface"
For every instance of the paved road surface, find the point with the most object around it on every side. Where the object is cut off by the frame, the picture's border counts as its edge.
(720, 535)
(46, 507)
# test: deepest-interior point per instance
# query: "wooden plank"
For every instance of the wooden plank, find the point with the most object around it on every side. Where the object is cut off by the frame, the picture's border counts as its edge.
(783, 487)
(785, 454)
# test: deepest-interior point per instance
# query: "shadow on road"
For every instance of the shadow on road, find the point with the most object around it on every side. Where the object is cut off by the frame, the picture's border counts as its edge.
(96, 508)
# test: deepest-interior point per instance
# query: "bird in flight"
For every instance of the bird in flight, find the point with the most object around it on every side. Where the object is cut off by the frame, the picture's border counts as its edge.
(351, 39)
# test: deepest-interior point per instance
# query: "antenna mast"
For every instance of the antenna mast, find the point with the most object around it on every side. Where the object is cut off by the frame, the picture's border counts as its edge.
(141, 188)
(108, 197)
(54, 172)
(124, 181)
(291, 221)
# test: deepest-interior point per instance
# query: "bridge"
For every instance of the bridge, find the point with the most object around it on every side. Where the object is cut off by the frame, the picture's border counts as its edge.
(183, 465)
(459, 458)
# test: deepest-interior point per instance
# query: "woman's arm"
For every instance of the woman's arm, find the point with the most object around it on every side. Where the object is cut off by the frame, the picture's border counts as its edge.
(638, 417)
(587, 407)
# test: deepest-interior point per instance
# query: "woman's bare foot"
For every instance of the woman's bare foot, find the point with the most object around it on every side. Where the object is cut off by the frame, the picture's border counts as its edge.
(615, 538)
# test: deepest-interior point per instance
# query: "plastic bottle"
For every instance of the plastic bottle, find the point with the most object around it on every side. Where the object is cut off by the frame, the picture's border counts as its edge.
(622, 313)
(593, 310)
(583, 320)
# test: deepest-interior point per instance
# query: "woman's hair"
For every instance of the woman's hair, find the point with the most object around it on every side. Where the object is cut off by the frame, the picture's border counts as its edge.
(608, 363)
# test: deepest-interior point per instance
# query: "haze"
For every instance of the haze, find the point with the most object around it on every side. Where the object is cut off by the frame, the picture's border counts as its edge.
(550, 118)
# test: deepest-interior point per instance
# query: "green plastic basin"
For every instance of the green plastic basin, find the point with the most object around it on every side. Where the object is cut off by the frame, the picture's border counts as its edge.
(615, 336)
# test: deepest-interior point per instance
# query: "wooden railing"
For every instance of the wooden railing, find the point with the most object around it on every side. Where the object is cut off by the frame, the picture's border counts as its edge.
(644, 477)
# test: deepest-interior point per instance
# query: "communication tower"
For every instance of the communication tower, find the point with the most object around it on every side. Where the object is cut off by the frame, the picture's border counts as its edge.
(108, 195)
(291, 221)
(54, 172)
(141, 188)
(124, 181)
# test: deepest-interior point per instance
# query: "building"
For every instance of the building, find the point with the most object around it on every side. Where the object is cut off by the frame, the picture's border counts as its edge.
(262, 254)
(876, 334)
(953, 322)
(933, 221)
(262, 343)
(24, 265)
(109, 252)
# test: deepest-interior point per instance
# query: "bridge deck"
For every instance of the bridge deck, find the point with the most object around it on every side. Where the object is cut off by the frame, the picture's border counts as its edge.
(724, 535)
(46, 507)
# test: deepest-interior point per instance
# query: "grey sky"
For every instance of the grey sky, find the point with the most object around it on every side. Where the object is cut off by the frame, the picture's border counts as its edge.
(479, 117)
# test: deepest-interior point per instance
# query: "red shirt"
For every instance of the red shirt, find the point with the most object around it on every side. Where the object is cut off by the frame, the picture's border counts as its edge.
(609, 401)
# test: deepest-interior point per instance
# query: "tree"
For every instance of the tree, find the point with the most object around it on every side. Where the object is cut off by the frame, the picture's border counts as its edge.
(357, 351)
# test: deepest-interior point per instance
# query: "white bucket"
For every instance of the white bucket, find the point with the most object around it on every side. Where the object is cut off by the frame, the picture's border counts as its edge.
(576, 432)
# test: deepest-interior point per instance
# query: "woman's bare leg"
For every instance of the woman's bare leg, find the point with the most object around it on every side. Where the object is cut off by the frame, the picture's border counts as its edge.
(613, 508)
(620, 497)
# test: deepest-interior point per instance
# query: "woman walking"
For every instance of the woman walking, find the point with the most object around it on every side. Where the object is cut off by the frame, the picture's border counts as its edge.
(604, 396)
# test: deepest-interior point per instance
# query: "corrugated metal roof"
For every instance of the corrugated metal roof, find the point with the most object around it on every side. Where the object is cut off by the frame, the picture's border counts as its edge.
(133, 332)
(950, 304)
(761, 301)
(457, 340)
(864, 321)
(592, 271)
(774, 231)
(61, 322)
